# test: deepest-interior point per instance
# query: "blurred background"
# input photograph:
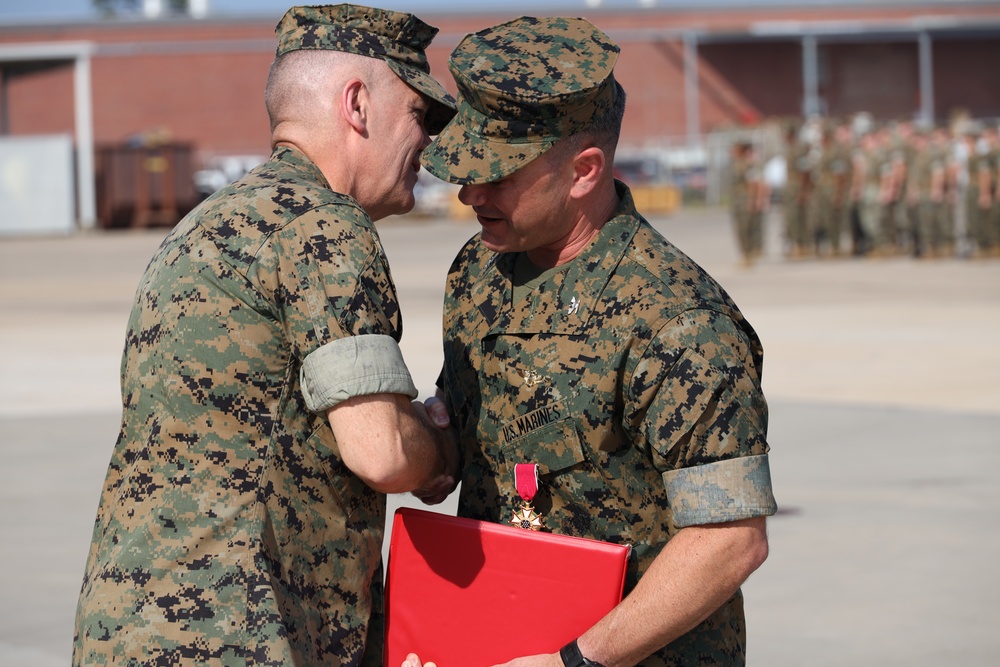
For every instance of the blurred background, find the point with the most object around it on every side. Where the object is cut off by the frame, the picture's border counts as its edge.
(880, 328)
(137, 109)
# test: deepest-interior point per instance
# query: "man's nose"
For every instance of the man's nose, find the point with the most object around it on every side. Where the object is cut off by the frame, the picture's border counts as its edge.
(472, 195)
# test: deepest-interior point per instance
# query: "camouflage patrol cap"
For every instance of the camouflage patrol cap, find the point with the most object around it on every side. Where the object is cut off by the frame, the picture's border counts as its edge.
(397, 38)
(522, 85)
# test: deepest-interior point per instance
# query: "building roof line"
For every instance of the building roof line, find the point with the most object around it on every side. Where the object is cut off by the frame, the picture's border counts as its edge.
(41, 51)
(184, 47)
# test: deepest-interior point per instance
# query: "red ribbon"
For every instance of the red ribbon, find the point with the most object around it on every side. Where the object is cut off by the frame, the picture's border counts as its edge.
(526, 480)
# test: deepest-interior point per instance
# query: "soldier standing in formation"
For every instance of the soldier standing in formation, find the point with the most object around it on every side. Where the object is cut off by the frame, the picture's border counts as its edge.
(800, 162)
(977, 172)
(922, 177)
(748, 197)
(873, 184)
(988, 200)
(831, 197)
(902, 186)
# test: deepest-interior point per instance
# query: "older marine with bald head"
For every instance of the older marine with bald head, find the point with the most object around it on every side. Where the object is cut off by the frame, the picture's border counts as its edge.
(266, 405)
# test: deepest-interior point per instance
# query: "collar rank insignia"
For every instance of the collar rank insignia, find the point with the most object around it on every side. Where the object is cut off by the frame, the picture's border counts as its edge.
(574, 305)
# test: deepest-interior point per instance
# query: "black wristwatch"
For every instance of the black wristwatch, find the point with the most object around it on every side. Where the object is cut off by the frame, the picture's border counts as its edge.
(571, 656)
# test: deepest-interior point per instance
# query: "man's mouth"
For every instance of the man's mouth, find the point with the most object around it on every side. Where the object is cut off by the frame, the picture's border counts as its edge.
(484, 218)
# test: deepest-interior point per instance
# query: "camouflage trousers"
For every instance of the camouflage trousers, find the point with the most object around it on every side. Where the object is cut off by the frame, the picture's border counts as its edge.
(982, 224)
(798, 231)
(871, 212)
(933, 229)
(831, 220)
(749, 226)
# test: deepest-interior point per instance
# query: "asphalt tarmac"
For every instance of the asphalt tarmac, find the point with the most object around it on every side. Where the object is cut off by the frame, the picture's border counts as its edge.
(883, 379)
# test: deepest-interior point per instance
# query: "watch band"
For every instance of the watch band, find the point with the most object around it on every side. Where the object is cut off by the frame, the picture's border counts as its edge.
(571, 656)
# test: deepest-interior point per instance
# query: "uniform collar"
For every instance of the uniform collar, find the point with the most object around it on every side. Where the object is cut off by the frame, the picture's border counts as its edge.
(565, 303)
(300, 162)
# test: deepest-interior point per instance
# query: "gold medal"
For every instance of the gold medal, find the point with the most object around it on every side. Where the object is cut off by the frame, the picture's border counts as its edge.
(526, 483)
(526, 517)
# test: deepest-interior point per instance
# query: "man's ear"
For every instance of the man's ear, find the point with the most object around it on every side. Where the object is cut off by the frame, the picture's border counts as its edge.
(588, 168)
(354, 105)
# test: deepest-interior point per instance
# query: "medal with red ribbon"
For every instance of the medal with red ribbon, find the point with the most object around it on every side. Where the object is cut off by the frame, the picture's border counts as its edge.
(526, 483)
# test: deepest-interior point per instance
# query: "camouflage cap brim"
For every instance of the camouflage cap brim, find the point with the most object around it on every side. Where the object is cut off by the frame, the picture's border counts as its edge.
(442, 107)
(466, 155)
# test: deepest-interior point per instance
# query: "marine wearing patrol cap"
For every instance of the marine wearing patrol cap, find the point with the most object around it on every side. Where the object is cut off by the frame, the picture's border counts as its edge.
(523, 85)
(397, 38)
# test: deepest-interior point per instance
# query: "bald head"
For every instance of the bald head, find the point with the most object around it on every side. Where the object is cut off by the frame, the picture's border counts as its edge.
(355, 119)
(303, 86)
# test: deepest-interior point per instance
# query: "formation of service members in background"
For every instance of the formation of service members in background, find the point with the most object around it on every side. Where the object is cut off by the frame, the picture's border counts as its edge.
(853, 188)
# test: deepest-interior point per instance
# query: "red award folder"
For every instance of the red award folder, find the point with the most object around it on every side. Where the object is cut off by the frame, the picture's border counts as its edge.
(466, 593)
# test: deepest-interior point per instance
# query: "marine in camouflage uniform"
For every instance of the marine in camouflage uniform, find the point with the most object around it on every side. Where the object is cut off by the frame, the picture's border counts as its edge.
(974, 216)
(230, 530)
(895, 222)
(625, 372)
(990, 193)
(832, 194)
(747, 196)
(800, 161)
(943, 240)
(875, 172)
(920, 177)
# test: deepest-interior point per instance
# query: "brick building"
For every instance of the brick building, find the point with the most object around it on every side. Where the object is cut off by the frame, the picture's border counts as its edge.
(199, 83)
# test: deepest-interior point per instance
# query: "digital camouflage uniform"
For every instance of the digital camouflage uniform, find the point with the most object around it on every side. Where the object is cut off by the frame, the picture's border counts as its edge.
(230, 531)
(747, 218)
(633, 381)
(934, 233)
(919, 181)
(628, 375)
(871, 205)
(894, 220)
(833, 175)
(991, 216)
(799, 231)
(974, 214)
(943, 238)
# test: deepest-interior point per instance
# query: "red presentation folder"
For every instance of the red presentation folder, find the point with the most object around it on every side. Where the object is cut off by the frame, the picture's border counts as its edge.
(466, 593)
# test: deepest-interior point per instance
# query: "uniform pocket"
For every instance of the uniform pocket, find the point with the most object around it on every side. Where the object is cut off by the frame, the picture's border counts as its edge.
(573, 496)
(553, 446)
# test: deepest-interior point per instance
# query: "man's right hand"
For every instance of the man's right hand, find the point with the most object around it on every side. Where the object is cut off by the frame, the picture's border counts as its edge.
(436, 490)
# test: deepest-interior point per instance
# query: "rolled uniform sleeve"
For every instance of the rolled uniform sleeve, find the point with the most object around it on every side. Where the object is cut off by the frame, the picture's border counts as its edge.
(704, 419)
(354, 366)
(727, 490)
